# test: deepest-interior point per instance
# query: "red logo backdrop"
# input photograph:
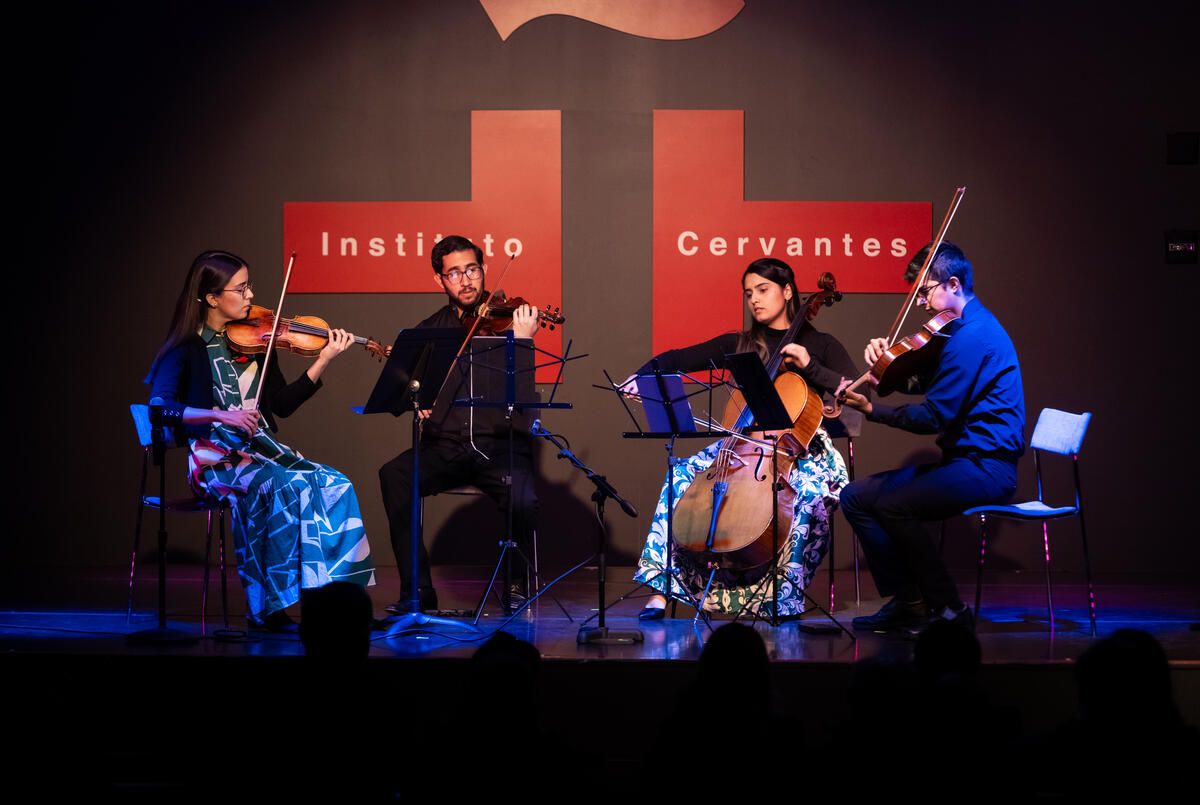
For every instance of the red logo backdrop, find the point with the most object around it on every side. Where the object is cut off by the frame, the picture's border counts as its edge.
(706, 232)
(515, 208)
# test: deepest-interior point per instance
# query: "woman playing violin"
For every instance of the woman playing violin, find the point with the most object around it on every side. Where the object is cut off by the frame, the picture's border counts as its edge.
(296, 523)
(771, 296)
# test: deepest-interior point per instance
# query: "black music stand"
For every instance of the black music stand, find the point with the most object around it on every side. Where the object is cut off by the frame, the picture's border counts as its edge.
(668, 412)
(501, 387)
(768, 414)
(410, 382)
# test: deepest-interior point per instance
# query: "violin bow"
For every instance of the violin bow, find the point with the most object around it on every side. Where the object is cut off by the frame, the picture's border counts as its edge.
(262, 381)
(929, 258)
(471, 332)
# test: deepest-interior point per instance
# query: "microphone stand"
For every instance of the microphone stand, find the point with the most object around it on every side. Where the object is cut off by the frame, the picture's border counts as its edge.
(600, 634)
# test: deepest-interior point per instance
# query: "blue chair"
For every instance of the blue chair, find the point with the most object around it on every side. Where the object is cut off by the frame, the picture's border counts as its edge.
(1060, 433)
(194, 504)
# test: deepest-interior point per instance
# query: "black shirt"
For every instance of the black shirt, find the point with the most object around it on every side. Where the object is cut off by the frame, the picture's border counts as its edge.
(182, 378)
(461, 422)
(830, 361)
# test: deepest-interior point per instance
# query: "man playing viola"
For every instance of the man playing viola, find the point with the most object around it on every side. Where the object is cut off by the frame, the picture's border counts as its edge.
(975, 403)
(461, 445)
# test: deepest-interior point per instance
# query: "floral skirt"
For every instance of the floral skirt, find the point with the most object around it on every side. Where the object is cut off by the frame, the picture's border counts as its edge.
(817, 480)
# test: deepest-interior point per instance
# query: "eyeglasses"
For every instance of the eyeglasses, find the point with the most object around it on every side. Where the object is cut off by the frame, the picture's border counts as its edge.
(241, 290)
(454, 276)
(924, 293)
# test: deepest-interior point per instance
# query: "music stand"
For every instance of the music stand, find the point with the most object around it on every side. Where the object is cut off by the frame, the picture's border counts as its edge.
(670, 417)
(410, 382)
(767, 413)
(502, 384)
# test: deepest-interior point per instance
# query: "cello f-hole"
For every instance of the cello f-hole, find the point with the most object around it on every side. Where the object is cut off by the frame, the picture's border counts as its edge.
(762, 454)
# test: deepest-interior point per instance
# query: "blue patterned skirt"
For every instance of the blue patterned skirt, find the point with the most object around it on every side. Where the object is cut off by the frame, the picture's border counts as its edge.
(817, 479)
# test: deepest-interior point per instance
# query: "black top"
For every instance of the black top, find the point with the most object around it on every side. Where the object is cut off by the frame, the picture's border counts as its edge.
(462, 422)
(183, 378)
(830, 361)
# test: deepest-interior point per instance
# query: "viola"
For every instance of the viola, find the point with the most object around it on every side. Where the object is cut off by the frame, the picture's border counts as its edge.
(914, 354)
(495, 314)
(302, 335)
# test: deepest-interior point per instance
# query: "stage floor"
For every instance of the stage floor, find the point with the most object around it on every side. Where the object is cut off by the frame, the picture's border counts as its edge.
(84, 613)
(148, 723)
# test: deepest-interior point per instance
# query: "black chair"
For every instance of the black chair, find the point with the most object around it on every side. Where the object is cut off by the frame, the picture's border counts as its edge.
(1060, 433)
(531, 571)
(194, 504)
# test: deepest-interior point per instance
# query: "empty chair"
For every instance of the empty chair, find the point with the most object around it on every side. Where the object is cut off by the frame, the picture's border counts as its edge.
(1061, 433)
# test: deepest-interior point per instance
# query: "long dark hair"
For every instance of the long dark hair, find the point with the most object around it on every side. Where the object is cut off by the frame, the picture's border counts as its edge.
(782, 275)
(210, 272)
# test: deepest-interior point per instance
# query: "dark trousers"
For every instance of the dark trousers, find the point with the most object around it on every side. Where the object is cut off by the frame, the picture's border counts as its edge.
(887, 511)
(445, 464)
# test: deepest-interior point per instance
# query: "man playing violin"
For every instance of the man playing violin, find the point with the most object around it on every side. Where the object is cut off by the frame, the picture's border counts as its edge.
(975, 403)
(461, 445)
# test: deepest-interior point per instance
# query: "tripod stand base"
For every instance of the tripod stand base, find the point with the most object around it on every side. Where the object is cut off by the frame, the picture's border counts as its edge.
(413, 620)
(603, 636)
(162, 637)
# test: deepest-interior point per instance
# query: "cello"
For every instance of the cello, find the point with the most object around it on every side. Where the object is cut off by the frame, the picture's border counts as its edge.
(726, 514)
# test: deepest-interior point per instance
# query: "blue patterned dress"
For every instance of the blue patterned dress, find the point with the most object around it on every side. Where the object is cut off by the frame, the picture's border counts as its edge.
(817, 479)
(296, 523)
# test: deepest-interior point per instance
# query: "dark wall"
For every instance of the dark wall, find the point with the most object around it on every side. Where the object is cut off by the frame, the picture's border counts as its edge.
(148, 134)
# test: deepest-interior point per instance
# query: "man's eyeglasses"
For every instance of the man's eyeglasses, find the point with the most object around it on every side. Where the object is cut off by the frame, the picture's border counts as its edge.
(241, 290)
(924, 293)
(455, 275)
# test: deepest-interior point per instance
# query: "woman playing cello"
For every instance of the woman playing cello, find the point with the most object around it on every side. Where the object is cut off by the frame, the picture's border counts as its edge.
(770, 292)
(296, 523)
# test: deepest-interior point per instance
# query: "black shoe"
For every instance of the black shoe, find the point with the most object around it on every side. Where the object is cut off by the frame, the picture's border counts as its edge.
(429, 602)
(893, 615)
(652, 613)
(962, 618)
(278, 621)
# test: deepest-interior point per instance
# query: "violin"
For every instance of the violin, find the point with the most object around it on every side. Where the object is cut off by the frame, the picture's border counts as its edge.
(727, 513)
(914, 354)
(495, 314)
(302, 335)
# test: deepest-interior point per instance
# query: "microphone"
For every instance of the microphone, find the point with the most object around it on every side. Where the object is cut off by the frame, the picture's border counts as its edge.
(536, 428)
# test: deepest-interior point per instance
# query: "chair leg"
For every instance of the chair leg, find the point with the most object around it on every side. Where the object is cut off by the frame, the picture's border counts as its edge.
(137, 537)
(857, 582)
(204, 584)
(854, 537)
(221, 564)
(982, 557)
(1046, 547)
(1087, 569)
(832, 556)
